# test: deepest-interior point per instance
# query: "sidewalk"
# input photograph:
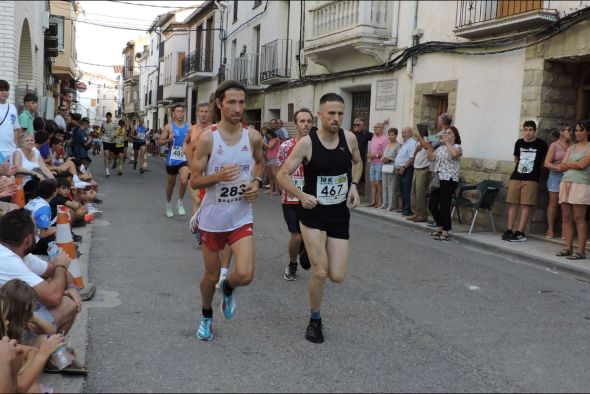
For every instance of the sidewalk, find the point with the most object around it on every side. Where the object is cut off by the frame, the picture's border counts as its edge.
(78, 335)
(537, 250)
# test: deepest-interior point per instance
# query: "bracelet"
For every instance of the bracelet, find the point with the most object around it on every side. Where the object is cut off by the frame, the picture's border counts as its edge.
(354, 183)
(61, 266)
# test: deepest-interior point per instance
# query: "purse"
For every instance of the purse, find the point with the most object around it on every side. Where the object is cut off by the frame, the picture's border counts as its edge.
(387, 168)
(434, 182)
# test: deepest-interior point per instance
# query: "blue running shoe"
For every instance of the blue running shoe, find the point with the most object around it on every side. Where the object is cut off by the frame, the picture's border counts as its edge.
(204, 333)
(228, 302)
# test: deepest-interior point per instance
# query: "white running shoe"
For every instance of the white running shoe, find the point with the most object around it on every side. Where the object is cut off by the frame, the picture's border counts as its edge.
(107, 172)
(221, 277)
(169, 212)
(180, 208)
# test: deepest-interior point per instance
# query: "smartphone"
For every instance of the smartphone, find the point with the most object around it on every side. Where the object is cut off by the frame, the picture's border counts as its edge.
(435, 139)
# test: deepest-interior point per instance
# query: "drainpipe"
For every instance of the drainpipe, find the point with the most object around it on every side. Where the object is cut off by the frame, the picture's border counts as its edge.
(409, 64)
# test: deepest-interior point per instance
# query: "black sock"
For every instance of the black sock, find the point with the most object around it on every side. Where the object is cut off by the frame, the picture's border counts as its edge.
(227, 289)
(208, 313)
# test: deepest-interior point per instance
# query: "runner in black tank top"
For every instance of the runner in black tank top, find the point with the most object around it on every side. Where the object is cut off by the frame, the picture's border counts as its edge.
(332, 168)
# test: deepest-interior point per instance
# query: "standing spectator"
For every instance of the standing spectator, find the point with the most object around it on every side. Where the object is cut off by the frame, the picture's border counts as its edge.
(404, 167)
(574, 192)
(29, 162)
(421, 179)
(272, 152)
(447, 163)
(390, 178)
(9, 126)
(82, 142)
(555, 156)
(281, 131)
(375, 156)
(362, 137)
(529, 155)
(25, 119)
(60, 118)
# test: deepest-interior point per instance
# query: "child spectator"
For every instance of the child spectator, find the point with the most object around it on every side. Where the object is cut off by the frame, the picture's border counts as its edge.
(41, 213)
(63, 197)
(25, 119)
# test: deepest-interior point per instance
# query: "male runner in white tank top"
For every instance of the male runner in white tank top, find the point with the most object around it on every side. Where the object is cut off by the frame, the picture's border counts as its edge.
(232, 162)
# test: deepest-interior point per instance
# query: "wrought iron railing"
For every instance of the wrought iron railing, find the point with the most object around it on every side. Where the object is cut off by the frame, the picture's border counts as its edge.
(244, 69)
(198, 61)
(471, 12)
(276, 59)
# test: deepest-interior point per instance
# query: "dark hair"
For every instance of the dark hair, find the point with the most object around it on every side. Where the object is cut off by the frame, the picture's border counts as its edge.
(38, 123)
(109, 114)
(585, 124)
(63, 182)
(557, 133)
(64, 174)
(177, 106)
(16, 226)
(76, 116)
(456, 133)
(121, 123)
(30, 97)
(18, 300)
(67, 135)
(55, 140)
(530, 123)
(393, 130)
(46, 188)
(446, 118)
(41, 137)
(331, 97)
(302, 110)
(50, 126)
(220, 94)
(4, 85)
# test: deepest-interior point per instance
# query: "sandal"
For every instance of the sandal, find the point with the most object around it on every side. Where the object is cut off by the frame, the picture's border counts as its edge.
(576, 256)
(435, 233)
(442, 237)
(564, 252)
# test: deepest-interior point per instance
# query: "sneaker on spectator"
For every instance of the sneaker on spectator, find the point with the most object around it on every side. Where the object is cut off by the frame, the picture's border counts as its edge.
(507, 235)
(518, 237)
(431, 225)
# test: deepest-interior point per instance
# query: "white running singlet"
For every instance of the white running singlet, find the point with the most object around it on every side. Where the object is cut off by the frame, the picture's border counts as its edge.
(224, 207)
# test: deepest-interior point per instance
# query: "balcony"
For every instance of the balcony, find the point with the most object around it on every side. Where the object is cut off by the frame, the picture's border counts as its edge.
(475, 19)
(198, 66)
(276, 62)
(351, 28)
(245, 70)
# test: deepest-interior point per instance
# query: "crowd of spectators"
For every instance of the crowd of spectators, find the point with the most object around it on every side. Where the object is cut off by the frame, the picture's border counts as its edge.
(47, 160)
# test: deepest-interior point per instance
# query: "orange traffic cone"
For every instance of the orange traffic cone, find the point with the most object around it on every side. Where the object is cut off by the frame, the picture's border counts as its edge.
(64, 240)
(18, 198)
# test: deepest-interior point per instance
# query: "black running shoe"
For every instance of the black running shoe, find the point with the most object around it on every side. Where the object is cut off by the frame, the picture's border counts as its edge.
(303, 257)
(290, 272)
(518, 237)
(97, 201)
(507, 235)
(314, 331)
(76, 237)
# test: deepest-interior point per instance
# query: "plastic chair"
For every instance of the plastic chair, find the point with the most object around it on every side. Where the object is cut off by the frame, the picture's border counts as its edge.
(488, 190)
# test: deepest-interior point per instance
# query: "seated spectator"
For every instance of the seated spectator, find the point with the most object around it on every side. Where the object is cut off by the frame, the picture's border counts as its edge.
(29, 162)
(59, 298)
(555, 156)
(41, 213)
(447, 159)
(529, 155)
(84, 194)
(574, 192)
(390, 189)
(58, 163)
(42, 145)
(10, 363)
(63, 197)
(36, 337)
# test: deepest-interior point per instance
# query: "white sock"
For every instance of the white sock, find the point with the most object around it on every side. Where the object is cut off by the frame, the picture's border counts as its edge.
(224, 271)
(179, 202)
(168, 204)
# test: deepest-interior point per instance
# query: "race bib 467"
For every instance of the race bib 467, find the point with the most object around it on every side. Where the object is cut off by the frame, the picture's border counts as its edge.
(332, 189)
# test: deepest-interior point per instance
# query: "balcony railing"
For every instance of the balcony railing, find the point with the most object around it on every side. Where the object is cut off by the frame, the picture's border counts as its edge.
(470, 12)
(198, 61)
(337, 16)
(276, 60)
(244, 69)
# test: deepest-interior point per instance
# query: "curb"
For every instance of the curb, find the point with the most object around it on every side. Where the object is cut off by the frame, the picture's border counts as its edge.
(78, 335)
(563, 267)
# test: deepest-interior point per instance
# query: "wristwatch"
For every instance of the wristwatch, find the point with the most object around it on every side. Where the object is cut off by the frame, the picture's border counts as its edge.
(259, 179)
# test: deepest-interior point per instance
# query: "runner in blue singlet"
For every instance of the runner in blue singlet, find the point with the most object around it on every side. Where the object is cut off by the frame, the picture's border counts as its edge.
(174, 134)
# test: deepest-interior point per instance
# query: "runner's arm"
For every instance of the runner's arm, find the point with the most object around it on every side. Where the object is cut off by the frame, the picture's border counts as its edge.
(298, 155)
(198, 164)
(164, 136)
(259, 164)
(357, 163)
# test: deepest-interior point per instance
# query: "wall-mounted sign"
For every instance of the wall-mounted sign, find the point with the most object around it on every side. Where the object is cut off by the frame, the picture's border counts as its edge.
(386, 95)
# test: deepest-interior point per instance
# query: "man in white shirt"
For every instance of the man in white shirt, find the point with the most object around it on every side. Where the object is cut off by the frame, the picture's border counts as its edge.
(9, 126)
(58, 295)
(404, 167)
(59, 118)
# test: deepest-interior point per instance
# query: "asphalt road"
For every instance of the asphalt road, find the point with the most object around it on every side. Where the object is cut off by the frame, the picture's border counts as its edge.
(413, 314)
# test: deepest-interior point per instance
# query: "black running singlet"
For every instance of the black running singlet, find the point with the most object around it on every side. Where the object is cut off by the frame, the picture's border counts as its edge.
(329, 172)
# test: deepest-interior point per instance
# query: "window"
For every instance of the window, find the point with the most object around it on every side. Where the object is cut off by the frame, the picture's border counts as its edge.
(235, 11)
(290, 111)
(59, 20)
(181, 56)
(256, 3)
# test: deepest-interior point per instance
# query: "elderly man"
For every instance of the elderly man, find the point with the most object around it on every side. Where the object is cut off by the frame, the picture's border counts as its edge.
(404, 167)
(58, 295)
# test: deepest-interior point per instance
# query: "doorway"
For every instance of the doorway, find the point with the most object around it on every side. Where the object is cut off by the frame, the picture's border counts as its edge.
(583, 110)
(361, 107)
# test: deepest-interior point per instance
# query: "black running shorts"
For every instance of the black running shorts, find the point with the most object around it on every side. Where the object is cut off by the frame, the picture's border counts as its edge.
(333, 219)
(290, 214)
(110, 146)
(173, 170)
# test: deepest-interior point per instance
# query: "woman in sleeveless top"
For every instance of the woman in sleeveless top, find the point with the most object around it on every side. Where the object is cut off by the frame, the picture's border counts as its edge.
(574, 192)
(30, 163)
(555, 156)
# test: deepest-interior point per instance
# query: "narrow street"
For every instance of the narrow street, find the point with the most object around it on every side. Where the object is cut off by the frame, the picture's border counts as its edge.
(413, 314)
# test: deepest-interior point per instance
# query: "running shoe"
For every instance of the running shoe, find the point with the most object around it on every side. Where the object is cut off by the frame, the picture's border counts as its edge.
(108, 174)
(180, 208)
(314, 331)
(218, 284)
(228, 302)
(303, 257)
(169, 212)
(518, 237)
(204, 333)
(507, 235)
(290, 272)
(194, 223)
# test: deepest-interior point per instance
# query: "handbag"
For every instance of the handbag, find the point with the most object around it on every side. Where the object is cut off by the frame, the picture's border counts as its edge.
(434, 182)
(387, 168)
